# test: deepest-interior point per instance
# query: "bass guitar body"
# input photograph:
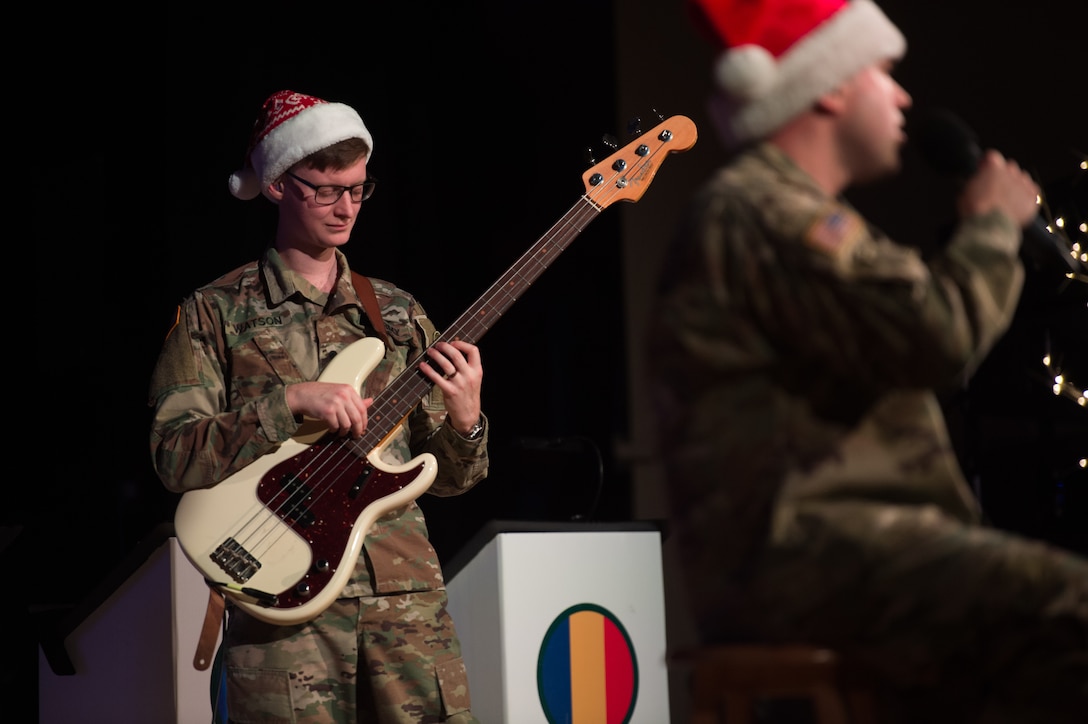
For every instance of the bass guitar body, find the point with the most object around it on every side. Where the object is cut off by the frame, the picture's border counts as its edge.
(282, 535)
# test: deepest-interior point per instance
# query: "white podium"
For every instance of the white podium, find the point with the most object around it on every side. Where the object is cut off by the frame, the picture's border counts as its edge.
(563, 622)
(132, 656)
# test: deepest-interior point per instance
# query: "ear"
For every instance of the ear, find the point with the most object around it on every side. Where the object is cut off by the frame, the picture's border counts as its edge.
(275, 190)
(832, 102)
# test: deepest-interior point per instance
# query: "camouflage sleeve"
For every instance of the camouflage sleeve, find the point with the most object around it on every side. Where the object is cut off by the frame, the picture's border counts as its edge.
(982, 260)
(461, 462)
(197, 438)
(877, 312)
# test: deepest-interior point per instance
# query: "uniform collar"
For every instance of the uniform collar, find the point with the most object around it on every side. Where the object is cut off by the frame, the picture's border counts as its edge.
(283, 283)
(771, 155)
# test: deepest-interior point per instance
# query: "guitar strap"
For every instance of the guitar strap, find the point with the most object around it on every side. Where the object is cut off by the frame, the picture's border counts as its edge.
(365, 290)
(209, 633)
(213, 616)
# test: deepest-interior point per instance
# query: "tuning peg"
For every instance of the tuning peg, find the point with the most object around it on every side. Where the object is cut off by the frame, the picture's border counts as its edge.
(589, 156)
(660, 116)
(611, 141)
(634, 127)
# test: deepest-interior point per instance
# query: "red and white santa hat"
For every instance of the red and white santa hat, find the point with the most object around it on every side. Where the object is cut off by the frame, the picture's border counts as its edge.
(289, 128)
(778, 56)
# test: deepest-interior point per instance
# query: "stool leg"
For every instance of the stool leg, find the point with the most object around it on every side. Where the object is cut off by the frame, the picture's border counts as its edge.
(862, 706)
(738, 708)
(710, 699)
(829, 707)
(705, 706)
(704, 716)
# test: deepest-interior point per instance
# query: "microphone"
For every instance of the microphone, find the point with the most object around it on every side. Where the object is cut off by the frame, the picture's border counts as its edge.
(953, 150)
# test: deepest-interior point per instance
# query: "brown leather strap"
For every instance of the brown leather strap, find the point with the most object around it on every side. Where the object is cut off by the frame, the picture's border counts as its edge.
(365, 290)
(209, 634)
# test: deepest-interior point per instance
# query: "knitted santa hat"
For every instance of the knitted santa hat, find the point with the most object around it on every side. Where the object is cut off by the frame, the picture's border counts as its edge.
(289, 128)
(779, 56)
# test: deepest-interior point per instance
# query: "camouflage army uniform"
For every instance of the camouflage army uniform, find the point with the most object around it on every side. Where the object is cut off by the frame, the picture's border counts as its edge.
(814, 490)
(219, 401)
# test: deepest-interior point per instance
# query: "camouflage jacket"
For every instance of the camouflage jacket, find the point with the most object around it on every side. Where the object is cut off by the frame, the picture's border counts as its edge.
(218, 395)
(797, 353)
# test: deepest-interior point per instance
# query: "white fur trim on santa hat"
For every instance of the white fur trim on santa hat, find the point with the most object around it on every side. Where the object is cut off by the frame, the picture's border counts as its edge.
(311, 130)
(755, 100)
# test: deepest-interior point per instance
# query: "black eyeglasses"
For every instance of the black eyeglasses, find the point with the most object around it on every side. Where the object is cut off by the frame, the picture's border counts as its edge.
(327, 195)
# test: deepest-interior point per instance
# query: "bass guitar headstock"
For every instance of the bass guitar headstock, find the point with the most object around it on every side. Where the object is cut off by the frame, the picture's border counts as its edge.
(627, 173)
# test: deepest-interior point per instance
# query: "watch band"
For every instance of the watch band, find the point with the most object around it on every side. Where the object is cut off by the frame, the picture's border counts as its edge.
(476, 430)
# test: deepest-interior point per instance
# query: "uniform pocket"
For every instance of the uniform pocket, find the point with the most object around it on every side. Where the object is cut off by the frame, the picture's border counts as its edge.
(259, 696)
(453, 686)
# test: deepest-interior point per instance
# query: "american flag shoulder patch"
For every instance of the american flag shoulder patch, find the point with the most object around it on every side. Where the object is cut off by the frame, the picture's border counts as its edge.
(835, 233)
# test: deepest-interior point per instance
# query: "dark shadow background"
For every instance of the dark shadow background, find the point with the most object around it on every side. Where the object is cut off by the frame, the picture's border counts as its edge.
(482, 117)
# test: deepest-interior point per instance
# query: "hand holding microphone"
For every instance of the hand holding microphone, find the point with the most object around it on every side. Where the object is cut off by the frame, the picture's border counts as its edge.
(990, 182)
(999, 183)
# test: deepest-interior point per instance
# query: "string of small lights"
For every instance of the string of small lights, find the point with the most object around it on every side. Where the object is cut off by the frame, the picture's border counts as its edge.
(1071, 224)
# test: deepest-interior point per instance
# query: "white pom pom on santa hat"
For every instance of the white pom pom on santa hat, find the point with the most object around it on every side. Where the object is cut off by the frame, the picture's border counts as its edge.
(244, 184)
(747, 72)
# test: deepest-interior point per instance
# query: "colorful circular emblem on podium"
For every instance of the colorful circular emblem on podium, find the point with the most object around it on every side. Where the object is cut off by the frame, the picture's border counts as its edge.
(587, 672)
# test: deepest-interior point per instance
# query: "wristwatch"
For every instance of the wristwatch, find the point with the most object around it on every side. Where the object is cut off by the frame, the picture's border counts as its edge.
(476, 430)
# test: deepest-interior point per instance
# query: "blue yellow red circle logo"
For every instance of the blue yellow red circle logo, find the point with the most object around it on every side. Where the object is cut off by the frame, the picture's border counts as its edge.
(587, 671)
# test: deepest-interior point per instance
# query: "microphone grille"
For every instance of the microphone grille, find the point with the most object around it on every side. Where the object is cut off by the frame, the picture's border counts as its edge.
(947, 144)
